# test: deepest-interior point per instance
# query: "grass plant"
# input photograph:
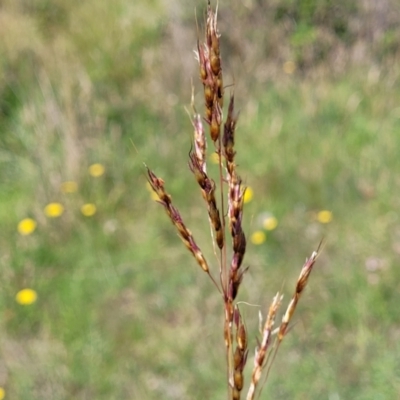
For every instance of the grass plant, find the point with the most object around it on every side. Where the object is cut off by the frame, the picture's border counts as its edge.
(225, 217)
(110, 305)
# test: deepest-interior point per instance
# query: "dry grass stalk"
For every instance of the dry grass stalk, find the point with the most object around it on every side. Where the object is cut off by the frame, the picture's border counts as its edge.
(300, 285)
(197, 165)
(231, 274)
(165, 199)
(261, 351)
(211, 74)
(240, 355)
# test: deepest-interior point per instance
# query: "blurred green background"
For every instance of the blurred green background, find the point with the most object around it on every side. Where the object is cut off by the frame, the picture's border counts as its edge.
(122, 311)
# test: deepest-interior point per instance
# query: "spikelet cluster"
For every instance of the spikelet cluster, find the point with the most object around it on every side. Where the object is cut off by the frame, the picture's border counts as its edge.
(231, 276)
(209, 59)
(197, 165)
(264, 349)
(226, 214)
(240, 355)
(235, 203)
(165, 199)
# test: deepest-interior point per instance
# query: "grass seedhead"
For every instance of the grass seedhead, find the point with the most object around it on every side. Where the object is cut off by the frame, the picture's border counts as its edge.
(232, 192)
(165, 199)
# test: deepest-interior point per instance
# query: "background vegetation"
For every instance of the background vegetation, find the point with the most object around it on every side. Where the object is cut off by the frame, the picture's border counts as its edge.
(122, 311)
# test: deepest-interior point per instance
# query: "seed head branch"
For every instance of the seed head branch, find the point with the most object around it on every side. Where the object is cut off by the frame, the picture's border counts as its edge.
(263, 347)
(235, 201)
(300, 285)
(197, 165)
(227, 212)
(208, 55)
(240, 355)
(165, 200)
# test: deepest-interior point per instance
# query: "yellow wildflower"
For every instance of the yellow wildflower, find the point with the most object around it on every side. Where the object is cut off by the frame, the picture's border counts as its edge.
(324, 216)
(54, 210)
(88, 209)
(26, 297)
(248, 195)
(26, 227)
(258, 237)
(2, 393)
(270, 223)
(69, 187)
(96, 170)
(289, 67)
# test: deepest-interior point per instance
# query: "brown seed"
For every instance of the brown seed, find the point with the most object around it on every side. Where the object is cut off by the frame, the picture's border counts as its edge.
(208, 114)
(214, 129)
(209, 95)
(238, 379)
(220, 91)
(241, 337)
(235, 394)
(215, 64)
(237, 358)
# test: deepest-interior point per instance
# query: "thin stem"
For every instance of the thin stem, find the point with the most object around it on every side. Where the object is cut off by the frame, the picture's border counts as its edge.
(225, 280)
(224, 276)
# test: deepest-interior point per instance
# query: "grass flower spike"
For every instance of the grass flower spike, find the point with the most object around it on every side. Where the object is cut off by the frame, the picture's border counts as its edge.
(165, 199)
(225, 215)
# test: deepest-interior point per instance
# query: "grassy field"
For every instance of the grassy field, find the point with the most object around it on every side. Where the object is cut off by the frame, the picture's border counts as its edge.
(118, 309)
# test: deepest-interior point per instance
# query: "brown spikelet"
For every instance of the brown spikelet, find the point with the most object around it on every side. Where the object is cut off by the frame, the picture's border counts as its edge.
(235, 211)
(236, 191)
(157, 185)
(228, 139)
(200, 143)
(198, 167)
(215, 122)
(224, 198)
(262, 349)
(235, 281)
(208, 55)
(240, 355)
(212, 39)
(300, 285)
(235, 204)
